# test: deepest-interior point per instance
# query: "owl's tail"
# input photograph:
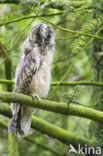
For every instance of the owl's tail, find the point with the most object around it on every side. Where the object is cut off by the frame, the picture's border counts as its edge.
(21, 120)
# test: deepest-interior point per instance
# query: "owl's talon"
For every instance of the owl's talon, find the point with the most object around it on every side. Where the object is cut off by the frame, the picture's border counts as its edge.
(36, 97)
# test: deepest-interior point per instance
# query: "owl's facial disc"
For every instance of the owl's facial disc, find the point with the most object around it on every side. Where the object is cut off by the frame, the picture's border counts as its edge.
(43, 36)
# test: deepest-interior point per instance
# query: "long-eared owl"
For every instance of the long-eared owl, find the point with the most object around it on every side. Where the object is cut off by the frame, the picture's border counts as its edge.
(33, 74)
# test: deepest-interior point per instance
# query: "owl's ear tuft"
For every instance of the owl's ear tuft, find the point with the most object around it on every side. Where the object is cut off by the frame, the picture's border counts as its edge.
(34, 31)
(32, 35)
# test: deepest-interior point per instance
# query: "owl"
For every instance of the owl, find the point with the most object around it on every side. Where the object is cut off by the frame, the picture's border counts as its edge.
(33, 75)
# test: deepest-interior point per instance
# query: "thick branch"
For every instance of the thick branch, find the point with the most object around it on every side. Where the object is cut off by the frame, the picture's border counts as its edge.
(59, 133)
(12, 145)
(64, 83)
(63, 108)
(51, 130)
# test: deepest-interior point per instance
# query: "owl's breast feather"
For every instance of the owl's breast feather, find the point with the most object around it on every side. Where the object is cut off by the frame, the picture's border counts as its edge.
(40, 84)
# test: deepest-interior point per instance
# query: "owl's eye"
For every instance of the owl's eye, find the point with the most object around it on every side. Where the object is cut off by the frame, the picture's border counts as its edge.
(36, 41)
(48, 36)
(38, 34)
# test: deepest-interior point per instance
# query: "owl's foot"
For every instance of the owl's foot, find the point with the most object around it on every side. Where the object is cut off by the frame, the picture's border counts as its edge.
(36, 97)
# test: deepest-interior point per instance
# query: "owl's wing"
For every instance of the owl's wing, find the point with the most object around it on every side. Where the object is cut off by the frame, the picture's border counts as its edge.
(21, 121)
(30, 66)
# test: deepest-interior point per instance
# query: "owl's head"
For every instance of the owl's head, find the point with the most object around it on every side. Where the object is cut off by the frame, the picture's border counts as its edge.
(43, 36)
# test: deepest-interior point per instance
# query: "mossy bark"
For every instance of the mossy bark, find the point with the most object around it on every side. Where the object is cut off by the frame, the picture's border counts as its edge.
(62, 108)
(13, 145)
(52, 130)
(96, 59)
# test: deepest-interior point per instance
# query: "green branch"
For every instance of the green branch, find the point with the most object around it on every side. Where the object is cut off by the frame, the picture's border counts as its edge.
(71, 31)
(26, 17)
(4, 81)
(59, 133)
(63, 108)
(12, 145)
(63, 29)
(51, 130)
(64, 83)
(88, 83)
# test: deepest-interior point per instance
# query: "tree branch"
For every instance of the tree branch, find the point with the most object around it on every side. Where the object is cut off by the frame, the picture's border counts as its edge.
(51, 130)
(12, 145)
(4, 81)
(87, 83)
(63, 108)
(64, 83)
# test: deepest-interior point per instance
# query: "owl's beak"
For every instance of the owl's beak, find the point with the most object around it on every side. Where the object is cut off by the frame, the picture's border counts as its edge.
(43, 43)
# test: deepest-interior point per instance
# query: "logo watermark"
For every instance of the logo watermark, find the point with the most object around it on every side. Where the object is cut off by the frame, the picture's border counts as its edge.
(85, 150)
